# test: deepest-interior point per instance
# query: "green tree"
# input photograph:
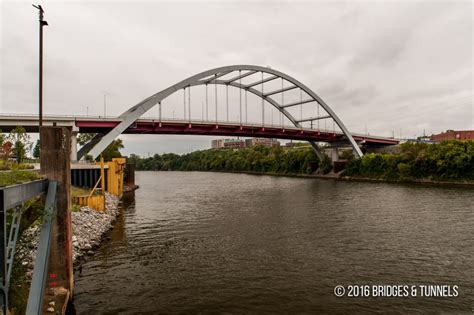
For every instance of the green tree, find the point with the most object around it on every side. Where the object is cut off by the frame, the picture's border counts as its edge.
(21, 143)
(84, 138)
(36, 150)
(326, 164)
(19, 151)
(451, 160)
(3, 137)
(113, 150)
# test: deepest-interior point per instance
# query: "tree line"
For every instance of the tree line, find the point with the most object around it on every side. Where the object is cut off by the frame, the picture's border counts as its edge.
(448, 160)
(261, 159)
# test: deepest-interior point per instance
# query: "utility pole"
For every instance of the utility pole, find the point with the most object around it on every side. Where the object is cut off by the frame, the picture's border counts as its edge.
(41, 24)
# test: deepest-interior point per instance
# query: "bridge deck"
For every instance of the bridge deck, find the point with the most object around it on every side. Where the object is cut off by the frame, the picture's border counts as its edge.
(170, 126)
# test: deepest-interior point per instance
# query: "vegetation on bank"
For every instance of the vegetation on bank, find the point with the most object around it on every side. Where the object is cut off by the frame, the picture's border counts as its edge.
(15, 145)
(261, 159)
(448, 160)
(112, 150)
(17, 177)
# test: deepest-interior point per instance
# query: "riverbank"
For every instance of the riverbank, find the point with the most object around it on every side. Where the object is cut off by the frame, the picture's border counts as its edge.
(446, 163)
(89, 228)
(424, 181)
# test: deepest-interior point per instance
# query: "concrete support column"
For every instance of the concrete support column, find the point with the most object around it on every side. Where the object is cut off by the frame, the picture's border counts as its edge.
(334, 154)
(55, 165)
(74, 133)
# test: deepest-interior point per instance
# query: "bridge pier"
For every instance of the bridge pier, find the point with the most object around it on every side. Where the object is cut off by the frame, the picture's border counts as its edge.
(55, 164)
(334, 154)
(74, 132)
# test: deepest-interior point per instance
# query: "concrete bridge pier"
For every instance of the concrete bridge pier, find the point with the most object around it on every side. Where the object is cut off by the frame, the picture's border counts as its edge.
(74, 132)
(334, 154)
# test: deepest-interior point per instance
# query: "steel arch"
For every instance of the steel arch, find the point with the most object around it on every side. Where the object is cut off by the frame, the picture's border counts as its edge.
(211, 77)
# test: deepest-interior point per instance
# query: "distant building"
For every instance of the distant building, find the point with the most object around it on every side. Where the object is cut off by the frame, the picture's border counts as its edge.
(227, 143)
(233, 144)
(237, 143)
(261, 141)
(217, 143)
(454, 135)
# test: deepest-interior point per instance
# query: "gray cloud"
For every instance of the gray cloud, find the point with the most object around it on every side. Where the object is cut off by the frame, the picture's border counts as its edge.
(387, 65)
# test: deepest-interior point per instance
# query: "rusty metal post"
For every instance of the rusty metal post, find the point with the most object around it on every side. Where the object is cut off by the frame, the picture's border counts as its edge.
(55, 165)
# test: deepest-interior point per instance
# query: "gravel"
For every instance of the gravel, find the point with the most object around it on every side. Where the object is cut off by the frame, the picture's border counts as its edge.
(88, 228)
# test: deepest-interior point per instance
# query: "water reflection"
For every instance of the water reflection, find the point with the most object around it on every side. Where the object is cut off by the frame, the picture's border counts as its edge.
(211, 242)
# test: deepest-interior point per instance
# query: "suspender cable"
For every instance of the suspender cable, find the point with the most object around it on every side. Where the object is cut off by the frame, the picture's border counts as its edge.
(227, 101)
(271, 112)
(301, 106)
(246, 115)
(282, 103)
(263, 103)
(207, 105)
(189, 103)
(240, 99)
(215, 86)
(184, 102)
(318, 115)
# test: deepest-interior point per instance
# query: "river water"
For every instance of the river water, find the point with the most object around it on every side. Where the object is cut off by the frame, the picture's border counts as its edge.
(192, 242)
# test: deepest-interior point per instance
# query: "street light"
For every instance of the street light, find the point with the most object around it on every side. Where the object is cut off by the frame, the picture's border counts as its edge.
(41, 24)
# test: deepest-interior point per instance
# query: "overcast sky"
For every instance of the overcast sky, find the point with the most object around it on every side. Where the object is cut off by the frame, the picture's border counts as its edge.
(385, 66)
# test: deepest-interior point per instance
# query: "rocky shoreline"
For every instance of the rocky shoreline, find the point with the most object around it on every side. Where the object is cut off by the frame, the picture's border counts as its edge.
(88, 227)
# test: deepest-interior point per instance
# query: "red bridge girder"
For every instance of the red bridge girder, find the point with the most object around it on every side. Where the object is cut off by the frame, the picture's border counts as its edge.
(210, 129)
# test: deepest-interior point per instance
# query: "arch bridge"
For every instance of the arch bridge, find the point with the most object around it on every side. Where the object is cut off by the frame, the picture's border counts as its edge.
(232, 76)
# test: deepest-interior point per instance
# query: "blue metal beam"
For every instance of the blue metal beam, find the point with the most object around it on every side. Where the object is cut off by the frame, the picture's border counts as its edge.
(10, 197)
(36, 295)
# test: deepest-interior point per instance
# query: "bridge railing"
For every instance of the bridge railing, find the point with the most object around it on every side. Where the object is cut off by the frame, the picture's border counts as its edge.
(13, 197)
(194, 120)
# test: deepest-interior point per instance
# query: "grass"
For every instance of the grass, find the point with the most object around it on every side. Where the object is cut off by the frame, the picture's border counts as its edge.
(8, 178)
(6, 165)
(78, 191)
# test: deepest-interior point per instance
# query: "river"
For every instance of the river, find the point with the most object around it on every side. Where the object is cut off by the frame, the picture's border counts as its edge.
(195, 242)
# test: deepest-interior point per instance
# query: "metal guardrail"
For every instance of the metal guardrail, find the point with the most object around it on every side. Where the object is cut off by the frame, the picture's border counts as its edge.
(13, 197)
(36, 295)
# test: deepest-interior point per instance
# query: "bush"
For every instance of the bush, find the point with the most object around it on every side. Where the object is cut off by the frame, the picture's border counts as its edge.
(326, 164)
(446, 160)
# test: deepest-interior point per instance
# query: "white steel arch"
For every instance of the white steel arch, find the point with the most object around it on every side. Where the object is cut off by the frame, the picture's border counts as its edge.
(212, 77)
